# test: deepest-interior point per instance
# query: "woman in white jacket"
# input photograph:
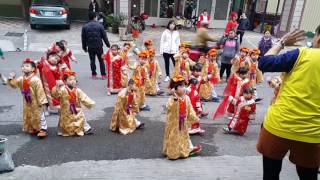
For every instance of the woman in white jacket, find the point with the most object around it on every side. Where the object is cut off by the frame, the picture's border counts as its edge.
(169, 45)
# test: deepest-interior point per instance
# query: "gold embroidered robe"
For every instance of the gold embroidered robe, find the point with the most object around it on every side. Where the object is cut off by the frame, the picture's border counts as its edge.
(32, 111)
(176, 141)
(72, 124)
(121, 119)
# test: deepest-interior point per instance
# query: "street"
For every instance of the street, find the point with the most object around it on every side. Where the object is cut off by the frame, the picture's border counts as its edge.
(108, 155)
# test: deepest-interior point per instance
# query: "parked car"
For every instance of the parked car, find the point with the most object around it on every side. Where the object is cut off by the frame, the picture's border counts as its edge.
(49, 12)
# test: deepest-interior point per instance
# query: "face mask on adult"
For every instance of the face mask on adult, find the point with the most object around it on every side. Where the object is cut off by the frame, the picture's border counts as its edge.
(171, 27)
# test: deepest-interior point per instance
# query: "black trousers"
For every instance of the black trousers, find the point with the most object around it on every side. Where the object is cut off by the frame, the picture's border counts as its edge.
(272, 168)
(93, 52)
(241, 33)
(167, 58)
(227, 68)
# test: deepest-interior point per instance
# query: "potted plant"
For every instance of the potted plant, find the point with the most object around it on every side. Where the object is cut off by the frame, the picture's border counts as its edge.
(115, 24)
(135, 30)
(2, 144)
(123, 26)
(108, 22)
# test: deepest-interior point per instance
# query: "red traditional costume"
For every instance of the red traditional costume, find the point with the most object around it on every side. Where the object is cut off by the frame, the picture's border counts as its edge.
(66, 57)
(114, 64)
(49, 74)
(201, 19)
(234, 88)
(244, 112)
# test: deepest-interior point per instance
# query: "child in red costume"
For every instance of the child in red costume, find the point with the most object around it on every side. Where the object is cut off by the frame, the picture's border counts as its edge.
(235, 87)
(67, 55)
(194, 96)
(245, 111)
(50, 73)
(114, 64)
(232, 24)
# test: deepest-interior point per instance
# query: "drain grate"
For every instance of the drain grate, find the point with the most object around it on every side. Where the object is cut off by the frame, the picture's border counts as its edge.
(14, 34)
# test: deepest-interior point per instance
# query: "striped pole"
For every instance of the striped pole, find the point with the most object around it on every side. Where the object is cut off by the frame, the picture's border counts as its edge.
(25, 40)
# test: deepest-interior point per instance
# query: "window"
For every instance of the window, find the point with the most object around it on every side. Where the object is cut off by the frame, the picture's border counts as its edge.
(166, 8)
(48, 3)
(221, 10)
(205, 5)
(151, 7)
(190, 8)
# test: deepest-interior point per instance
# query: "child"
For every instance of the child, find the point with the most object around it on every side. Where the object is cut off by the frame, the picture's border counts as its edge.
(230, 48)
(255, 75)
(240, 61)
(193, 94)
(155, 74)
(124, 76)
(148, 44)
(114, 64)
(34, 99)
(182, 65)
(275, 83)
(235, 87)
(124, 53)
(50, 72)
(210, 77)
(180, 114)
(232, 23)
(265, 43)
(124, 115)
(67, 55)
(72, 120)
(245, 111)
(141, 74)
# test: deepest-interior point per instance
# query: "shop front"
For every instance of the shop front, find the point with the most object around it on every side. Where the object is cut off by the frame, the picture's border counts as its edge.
(161, 11)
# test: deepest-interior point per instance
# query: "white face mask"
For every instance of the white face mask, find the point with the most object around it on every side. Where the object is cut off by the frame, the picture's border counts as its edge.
(171, 26)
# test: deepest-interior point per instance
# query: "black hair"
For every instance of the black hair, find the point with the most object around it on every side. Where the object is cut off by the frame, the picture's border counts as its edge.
(193, 81)
(205, 10)
(65, 77)
(196, 68)
(243, 70)
(248, 90)
(126, 44)
(175, 85)
(51, 53)
(114, 46)
(61, 45)
(92, 15)
(318, 31)
(267, 30)
(130, 82)
(63, 41)
(170, 22)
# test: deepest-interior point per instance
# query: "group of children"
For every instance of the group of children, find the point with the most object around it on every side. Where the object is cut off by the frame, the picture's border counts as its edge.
(191, 83)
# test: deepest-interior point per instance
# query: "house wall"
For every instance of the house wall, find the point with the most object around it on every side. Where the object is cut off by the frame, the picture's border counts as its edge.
(311, 16)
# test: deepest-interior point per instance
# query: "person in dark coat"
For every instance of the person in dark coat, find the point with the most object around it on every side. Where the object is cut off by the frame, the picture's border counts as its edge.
(92, 36)
(244, 24)
(265, 43)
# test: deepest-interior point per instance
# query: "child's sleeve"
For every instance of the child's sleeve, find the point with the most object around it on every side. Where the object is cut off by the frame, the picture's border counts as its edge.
(192, 116)
(41, 96)
(85, 100)
(15, 82)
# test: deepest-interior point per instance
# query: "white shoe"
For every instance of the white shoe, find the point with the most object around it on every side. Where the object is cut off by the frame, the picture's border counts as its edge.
(167, 79)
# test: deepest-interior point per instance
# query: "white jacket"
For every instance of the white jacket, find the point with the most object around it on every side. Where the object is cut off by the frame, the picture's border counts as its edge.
(169, 42)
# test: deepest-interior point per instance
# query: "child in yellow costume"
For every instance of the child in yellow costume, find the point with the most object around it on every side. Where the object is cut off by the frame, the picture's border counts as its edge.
(34, 99)
(180, 115)
(255, 75)
(210, 77)
(140, 73)
(155, 74)
(183, 64)
(72, 120)
(126, 108)
(242, 60)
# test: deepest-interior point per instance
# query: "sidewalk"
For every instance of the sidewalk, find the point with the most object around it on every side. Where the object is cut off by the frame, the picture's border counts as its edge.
(211, 168)
(40, 39)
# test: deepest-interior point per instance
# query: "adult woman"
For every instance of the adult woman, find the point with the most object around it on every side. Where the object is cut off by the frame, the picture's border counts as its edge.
(204, 17)
(94, 7)
(244, 24)
(169, 45)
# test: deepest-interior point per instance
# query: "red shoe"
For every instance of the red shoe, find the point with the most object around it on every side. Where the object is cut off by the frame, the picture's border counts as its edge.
(104, 77)
(196, 149)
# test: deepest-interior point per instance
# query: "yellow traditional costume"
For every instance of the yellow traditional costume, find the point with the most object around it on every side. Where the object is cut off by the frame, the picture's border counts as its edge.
(154, 72)
(180, 115)
(72, 119)
(140, 73)
(123, 117)
(34, 98)
(182, 66)
(239, 62)
(210, 76)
